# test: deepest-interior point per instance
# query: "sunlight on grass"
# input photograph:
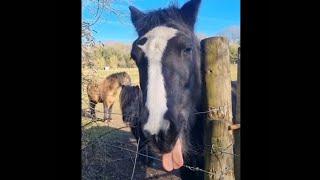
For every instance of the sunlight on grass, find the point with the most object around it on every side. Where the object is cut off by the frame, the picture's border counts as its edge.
(134, 74)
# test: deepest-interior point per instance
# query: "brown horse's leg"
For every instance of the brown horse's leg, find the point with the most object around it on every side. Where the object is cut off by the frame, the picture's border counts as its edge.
(92, 109)
(108, 103)
(110, 112)
(106, 112)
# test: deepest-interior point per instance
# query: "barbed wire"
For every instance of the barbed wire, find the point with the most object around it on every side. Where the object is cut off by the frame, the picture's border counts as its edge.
(157, 159)
(135, 160)
(137, 152)
(222, 150)
(214, 149)
(135, 116)
(195, 113)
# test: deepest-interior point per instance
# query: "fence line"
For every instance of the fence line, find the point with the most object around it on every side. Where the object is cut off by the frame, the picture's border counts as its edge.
(231, 126)
(151, 157)
(214, 149)
(137, 152)
(135, 159)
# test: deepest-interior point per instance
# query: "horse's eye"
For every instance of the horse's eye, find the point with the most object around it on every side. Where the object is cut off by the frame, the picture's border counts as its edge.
(187, 50)
(142, 41)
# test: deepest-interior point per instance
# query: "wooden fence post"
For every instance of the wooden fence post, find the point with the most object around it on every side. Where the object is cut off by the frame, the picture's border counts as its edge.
(217, 138)
(237, 121)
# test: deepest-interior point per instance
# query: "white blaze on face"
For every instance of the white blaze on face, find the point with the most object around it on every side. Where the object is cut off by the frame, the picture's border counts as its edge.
(156, 102)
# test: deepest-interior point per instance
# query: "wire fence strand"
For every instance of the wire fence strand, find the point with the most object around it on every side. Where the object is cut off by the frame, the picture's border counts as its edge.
(214, 149)
(135, 160)
(137, 152)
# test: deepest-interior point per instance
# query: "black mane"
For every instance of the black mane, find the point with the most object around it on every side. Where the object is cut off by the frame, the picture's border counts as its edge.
(118, 75)
(170, 16)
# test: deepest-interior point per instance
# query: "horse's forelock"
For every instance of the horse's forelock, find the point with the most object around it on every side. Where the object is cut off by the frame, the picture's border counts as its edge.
(167, 16)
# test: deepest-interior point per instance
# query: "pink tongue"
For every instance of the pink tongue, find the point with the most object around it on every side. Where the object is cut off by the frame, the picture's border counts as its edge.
(173, 159)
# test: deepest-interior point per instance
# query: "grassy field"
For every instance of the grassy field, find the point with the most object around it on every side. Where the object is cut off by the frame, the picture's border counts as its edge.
(134, 74)
(99, 160)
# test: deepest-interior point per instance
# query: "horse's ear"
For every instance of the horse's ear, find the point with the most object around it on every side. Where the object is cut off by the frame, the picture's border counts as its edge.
(189, 12)
(136, 14)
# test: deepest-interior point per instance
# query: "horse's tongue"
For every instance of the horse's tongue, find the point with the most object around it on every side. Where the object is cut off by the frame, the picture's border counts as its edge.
(167, 161)
(173, 159)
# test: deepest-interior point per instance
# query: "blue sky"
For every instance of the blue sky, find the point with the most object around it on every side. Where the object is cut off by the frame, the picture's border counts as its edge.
(213, 17)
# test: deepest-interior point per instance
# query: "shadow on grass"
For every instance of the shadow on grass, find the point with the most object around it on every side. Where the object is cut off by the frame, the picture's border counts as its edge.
(106, 155)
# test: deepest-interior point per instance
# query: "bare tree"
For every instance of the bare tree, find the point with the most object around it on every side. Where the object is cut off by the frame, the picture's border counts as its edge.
(97, 9)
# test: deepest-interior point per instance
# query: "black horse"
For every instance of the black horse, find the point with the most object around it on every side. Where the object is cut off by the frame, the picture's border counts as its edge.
(131, 103)
(167, 54)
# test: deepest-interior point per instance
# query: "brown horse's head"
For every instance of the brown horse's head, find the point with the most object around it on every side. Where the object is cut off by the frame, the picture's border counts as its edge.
(124, 78)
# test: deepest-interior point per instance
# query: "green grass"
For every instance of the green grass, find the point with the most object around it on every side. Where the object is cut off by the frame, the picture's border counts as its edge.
(134, 74)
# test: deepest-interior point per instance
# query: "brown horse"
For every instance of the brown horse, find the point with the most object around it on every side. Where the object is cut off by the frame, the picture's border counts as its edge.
(105, 92)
